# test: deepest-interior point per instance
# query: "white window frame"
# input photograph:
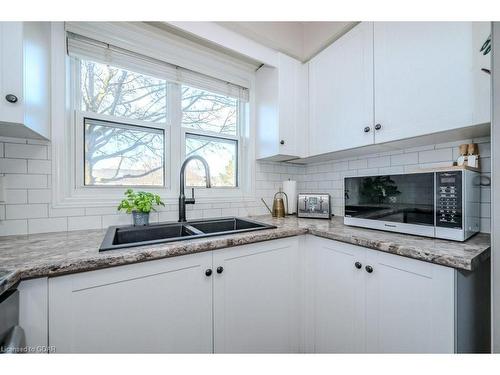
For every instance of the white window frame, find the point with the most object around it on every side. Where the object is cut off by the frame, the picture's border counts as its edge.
(78, 124)
(68, 191)
(241, 150)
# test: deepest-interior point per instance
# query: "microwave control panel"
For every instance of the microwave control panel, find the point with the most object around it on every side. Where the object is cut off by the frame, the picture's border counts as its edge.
(449, 199)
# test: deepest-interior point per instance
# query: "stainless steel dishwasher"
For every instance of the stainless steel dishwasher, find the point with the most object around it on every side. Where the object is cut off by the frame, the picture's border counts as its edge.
(12, 339)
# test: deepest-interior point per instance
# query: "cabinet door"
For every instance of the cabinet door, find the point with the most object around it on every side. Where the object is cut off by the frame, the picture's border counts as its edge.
(337, 293)
(427, 77)
(292, 107)
(256, 298)
(409, 305)
(341, 93)
(11, 71)
(160, 306)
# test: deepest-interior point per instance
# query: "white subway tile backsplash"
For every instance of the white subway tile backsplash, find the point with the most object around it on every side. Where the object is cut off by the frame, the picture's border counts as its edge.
(17, 196)
(392, 170)
(403, 159)
(358, 164)
(60, 212)
(39, 166)
(27, 167)
(26, 181)
(168, 216)
(432, 156)
(121, 219)
(39, 195)
(44, 225)
(13, 166)
(381, 161)
(101, 211)
(25, 151)
(84, 222)
(419, 148)
(13, 227)
(25, 211)
(367, 171)
(212, 212)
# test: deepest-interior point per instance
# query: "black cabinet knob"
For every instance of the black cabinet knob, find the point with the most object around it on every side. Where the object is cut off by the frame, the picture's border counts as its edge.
(378, 127)
(208, 272)
(282, 142)
(366, 129)
(369, 269)
(220, 269)
(11, 98)
(358, 265)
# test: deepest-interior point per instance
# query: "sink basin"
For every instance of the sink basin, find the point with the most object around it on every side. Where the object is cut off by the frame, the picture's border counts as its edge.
(226, 225)
(118, 237)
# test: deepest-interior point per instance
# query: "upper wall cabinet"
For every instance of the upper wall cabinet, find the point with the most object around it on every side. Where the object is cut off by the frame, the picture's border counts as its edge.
(390, 81)
(281, 110)
(341, 93)
(25, 79)
(428, 77)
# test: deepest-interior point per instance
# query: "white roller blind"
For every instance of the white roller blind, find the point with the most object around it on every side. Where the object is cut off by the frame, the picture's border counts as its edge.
(90, 49)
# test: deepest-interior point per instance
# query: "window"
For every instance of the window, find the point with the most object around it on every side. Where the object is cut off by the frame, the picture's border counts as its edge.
(221, 155)
(137, 118)
(112, 91)
(123, 116)
(117, 154)
(212, 120)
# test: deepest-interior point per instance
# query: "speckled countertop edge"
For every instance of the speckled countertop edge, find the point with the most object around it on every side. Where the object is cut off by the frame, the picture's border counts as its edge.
(53, 254)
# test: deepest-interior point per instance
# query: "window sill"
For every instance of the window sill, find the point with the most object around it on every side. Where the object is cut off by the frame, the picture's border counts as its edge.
(102, 198)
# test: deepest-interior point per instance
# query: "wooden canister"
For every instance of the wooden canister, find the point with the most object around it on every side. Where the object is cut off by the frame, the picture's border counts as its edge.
(472, 149)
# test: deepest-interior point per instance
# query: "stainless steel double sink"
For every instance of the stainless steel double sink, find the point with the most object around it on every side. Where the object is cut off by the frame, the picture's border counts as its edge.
(119, 237)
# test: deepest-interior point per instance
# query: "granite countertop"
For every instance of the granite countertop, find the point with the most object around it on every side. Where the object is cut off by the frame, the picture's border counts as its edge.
(52, 254)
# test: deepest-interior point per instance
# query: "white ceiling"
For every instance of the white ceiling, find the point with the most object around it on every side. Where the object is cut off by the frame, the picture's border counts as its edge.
(301, 40)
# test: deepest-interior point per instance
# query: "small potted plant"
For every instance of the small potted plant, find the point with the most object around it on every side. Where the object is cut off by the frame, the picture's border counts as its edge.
(140, 204)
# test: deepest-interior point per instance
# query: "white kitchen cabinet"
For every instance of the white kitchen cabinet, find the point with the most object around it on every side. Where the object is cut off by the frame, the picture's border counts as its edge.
(25, 79)
(163, 306)
(281, 110)
(428, 77)
(256, 298)
(402, 306)
(341, 93)
(410, 305)
(290, 295)
(338, 296)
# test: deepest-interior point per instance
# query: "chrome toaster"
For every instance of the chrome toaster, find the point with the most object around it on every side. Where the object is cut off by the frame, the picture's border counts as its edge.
(314, 205)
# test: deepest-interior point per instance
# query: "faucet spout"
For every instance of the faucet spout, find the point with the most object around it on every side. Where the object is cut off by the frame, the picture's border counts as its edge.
(182, 198)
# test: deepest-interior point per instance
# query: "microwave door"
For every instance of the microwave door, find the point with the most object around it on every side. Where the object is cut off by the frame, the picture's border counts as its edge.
(398, 198)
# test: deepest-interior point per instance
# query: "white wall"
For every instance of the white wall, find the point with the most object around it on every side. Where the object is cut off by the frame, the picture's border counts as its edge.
(300, 40)
(319, 35)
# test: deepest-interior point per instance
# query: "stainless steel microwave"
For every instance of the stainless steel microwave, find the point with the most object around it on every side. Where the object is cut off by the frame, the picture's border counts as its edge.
(441, 204)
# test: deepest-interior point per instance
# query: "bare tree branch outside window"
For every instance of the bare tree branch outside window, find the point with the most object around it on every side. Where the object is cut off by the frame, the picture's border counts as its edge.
(118, 155)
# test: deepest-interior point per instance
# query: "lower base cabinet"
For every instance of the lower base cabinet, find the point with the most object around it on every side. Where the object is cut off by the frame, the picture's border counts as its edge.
(297, 294)
(166, 306)
(256, 304)
(368, 301)
(162, 306)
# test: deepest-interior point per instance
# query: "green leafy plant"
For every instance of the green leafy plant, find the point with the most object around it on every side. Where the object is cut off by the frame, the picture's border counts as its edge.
(378, 189)
(140, 201)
